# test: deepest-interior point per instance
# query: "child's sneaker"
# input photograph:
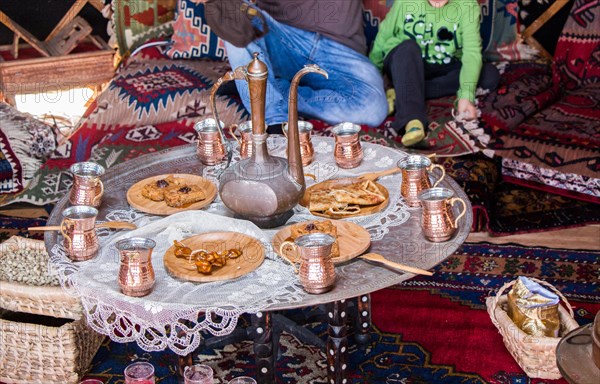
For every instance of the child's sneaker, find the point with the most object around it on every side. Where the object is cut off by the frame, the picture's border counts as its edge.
(415, 132)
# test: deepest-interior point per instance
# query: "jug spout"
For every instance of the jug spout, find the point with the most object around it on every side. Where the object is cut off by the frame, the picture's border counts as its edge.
(293, 149)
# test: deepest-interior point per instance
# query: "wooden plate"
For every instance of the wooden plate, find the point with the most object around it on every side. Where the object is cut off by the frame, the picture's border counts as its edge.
(353, 240)
(252, 256)
(139, 202)
(364, 210)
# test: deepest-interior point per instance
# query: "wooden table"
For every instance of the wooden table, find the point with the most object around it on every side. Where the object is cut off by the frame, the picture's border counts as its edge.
(355, 280)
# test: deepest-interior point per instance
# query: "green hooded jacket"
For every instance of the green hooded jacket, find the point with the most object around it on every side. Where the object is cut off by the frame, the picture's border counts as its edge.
(443, 34)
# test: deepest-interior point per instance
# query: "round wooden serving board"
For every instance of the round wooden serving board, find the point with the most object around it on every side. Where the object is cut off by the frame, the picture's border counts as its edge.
(139, 202)
(364, 210)
(252, 256)
(353, 240)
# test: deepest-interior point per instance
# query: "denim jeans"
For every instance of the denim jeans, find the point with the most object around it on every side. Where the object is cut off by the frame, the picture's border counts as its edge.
(353, 92)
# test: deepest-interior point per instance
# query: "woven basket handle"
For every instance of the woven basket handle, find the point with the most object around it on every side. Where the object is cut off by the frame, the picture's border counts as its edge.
(541, 282)
(496, 299)
(551, 287)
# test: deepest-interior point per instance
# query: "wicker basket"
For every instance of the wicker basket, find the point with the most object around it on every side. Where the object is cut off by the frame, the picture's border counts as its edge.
(43, 336)
(42, 300)
(535, 355)
(42, 349)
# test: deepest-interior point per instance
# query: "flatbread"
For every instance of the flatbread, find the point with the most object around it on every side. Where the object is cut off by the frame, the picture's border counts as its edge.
(321, 201)
(345, 199)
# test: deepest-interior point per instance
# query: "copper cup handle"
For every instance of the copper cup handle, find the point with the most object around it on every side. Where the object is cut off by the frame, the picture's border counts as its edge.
(282, 247)
(99, 196)
(441, 168)
(63, 230)
(231, 129)
(464, 210)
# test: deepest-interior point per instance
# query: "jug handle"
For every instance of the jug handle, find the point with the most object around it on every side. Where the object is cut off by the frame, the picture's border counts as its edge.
(238, 74)
(464, 210)
(441, 168)
(63, 230)
(232, 128)
(99, 196)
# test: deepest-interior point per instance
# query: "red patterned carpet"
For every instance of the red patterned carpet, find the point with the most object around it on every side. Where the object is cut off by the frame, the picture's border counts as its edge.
(427, 330)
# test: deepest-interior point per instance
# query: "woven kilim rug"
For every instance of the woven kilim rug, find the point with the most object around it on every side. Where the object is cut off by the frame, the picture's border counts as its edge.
(131, 119)
(426, 330)
(499, 208)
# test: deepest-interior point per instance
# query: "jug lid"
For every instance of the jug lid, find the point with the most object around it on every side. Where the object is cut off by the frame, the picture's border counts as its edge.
(256, 67)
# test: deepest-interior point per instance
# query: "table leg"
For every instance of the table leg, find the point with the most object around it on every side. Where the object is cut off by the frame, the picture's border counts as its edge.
(184, 361)
(337, 342)
(263, 348)
(362, 321)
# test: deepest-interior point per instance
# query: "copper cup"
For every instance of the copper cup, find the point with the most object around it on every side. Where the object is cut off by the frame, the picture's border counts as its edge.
(245, 139)
(317, 273)
(78, 228)
(87, 187)
(437, 219)
(210, 146)
(415, 177)
(348, 151)
(136, 275)
(307, 151)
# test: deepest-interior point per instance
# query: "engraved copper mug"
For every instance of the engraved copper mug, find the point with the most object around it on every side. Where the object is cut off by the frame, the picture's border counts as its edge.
(87, 187)
(136, 275)
(209, 146)
(348, 151)
(438, 220)
(317, 273)
(245, 139)
(415, 177)
(307, 151)
(78, 228)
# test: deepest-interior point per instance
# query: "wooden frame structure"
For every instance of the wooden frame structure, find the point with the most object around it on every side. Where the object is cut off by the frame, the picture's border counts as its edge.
(528, 33)
(57, 68)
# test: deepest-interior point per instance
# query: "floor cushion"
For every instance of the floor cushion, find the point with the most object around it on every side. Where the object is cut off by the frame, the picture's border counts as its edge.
(24, 145)
(559, 147)
(547, 131)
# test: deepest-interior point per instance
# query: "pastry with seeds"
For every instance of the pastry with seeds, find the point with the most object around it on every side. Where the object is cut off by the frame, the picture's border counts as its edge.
(155, 190)
(183, 195)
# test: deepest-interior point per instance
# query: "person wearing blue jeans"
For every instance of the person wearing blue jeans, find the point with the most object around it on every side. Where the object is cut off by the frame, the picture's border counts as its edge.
(329, 34)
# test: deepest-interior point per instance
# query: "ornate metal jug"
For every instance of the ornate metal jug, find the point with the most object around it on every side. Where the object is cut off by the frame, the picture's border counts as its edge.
(264, 188)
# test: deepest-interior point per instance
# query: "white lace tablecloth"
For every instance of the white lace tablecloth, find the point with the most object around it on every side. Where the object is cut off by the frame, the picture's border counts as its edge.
(176, 312)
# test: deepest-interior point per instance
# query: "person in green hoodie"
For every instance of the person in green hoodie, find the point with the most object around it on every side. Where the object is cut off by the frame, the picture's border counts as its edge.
(430, 49)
